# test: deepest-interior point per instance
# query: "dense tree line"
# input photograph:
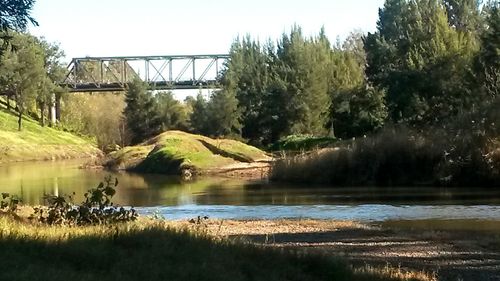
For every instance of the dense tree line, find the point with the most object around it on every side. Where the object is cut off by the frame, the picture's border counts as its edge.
(427, 62)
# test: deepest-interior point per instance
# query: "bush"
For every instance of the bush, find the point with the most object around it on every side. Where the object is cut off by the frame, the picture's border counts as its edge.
(97, 208)
(302, 143)
(9, 203)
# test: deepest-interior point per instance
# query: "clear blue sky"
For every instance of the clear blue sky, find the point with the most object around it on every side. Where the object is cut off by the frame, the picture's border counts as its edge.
(156, 27)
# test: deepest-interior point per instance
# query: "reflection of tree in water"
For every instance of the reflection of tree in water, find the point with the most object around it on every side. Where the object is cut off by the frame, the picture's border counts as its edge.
(171, 191)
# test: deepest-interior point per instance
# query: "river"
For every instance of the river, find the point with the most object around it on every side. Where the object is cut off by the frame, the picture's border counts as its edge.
(241, 199)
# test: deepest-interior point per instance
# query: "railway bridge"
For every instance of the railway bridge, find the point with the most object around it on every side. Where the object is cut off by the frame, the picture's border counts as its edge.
(170, 72)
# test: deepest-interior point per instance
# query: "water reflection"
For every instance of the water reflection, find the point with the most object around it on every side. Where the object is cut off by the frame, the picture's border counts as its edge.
(32, 180)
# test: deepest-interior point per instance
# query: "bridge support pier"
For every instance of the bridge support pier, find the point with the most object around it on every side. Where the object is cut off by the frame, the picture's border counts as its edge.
(55, 109)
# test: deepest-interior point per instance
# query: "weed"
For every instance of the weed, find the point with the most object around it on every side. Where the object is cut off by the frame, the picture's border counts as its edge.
(95, 210)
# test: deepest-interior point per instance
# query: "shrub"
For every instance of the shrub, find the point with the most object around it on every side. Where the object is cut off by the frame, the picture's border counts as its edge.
(9, 203)
(95, 210)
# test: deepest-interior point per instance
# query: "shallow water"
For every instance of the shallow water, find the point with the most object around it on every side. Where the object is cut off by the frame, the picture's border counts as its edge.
(240, 199)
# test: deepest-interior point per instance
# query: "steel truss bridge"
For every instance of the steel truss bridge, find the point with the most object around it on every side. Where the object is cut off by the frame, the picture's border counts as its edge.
(101, 74)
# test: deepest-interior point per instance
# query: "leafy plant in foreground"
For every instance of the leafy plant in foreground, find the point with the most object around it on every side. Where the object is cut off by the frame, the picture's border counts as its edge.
(9, 203)
(95, 210)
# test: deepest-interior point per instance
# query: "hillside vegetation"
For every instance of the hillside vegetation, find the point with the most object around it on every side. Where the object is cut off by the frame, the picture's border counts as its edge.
(173, 151)
(35, 142)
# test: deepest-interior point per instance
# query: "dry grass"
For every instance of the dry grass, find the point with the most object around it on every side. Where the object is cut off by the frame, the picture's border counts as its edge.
(154, 250)
(397, 273)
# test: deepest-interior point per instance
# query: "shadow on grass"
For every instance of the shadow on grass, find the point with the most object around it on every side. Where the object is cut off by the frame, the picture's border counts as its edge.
(151, 253)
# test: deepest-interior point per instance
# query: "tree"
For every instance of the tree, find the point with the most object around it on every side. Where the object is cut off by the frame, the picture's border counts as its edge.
(464, 15)
(223, 114)
(100, 116)
(304, 69)
(199, 115)
(50, 90)
(358, 111)
(140, 113)
(246, 76)
(24, 73)
(487, 62)
(14, 15)
(171, 113)
(421, 61)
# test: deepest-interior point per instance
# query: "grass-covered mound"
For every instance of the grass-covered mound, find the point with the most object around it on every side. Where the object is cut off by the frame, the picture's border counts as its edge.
(35, 142)
(173, 151)
(150, 251)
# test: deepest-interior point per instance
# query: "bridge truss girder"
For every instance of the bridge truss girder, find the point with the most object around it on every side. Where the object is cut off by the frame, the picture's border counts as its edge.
(97, 74)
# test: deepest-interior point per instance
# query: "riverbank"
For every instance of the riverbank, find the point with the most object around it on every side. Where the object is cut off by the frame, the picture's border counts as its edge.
(36, 143)
(425, 250)
(437, 250)
(158, 250)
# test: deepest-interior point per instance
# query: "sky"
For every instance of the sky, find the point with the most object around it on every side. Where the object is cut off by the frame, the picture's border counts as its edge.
(98, 28)
(156, 27)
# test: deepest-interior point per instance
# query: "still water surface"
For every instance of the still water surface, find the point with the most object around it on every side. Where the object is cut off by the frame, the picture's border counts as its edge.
(240, 199)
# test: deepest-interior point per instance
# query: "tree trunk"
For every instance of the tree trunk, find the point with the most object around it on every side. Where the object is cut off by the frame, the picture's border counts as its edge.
(58, 108)
(42, 111)
(19, 120)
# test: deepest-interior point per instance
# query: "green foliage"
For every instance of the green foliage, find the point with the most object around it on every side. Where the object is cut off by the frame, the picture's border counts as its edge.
(171, 112)
(199, 115)
(302, 143)
(140, 113)
(14, 15)
(421, 60)
(23, 73)
(30, 74)
(95, 210)
(49, 89)
(9, 203)
(358, 111)
(100, 116)
(487, 64)
(223, 114)
(301, 85)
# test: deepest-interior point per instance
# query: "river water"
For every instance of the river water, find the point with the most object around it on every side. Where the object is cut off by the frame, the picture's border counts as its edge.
(241, 199)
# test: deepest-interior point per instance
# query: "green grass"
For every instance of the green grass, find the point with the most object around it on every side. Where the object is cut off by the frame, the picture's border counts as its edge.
(174, 150)
(151, 251)
(302, 143)
(35, 142)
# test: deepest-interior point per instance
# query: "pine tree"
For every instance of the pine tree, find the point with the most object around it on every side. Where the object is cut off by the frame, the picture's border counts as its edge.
(140, 113)
(421, 61)
(199, 116)
(223, 114)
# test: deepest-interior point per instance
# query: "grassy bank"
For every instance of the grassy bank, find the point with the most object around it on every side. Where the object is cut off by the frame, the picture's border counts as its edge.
(152, 251)
(39, 143)
(174, 151)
